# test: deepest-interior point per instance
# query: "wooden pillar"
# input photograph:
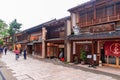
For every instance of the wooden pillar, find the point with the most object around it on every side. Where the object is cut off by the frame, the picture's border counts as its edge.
(92, 50)
(73, 16)
(117, 61)
(71, 51)
(68, 45)
(77, 17)
(43, 41)
(98, 50)
(107, 60)
(66, 41)
(43, 49)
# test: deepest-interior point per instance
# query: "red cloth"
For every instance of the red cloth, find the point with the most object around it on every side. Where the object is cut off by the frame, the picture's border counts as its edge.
(16, 51)
(62, 59)
(112, 48)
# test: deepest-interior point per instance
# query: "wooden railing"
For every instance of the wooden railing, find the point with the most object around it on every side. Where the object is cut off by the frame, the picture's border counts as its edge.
(55, 35)
(100, 20)
(22, 38)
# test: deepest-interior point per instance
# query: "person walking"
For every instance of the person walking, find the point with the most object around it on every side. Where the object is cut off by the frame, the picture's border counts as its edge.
(25, 54)
(1, 51)
(16, 54)
(5, 49)
(20, 51)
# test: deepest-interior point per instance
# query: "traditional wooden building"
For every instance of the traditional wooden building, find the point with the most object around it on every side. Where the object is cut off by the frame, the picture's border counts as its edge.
(7, 42)
(31, 39)
(56, 37)
(96, 27)
(34, 46)
(21, 40)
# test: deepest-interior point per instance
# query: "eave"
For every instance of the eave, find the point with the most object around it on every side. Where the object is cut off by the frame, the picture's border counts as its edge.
(96, 36)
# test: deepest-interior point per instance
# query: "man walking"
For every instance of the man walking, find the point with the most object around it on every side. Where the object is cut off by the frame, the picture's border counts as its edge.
(25, 53)
(5, 49)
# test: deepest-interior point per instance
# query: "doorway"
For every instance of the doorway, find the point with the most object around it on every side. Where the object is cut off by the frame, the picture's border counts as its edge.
(30, 49)
(110, 53)
(102, 56)
(87, 47)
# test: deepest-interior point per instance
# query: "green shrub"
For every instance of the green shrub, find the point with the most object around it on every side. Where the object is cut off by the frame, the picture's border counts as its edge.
(83, 55)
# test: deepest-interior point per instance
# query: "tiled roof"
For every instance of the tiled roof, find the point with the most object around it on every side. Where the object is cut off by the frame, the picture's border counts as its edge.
(102, 35)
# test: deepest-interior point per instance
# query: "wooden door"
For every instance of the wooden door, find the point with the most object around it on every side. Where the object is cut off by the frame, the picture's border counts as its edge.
(78, 48)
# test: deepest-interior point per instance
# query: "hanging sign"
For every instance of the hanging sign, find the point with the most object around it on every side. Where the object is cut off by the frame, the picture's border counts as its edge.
(112, 48)
(102, 28)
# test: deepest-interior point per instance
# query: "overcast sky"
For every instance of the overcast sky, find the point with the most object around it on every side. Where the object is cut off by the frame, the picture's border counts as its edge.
(34, 12)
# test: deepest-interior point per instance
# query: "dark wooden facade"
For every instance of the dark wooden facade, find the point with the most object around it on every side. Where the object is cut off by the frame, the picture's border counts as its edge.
(7, 42)
(97, 12)
(99, 23)
(31, 39)
(21, 40)
(35, 36)
(35, 43)
(55, 39)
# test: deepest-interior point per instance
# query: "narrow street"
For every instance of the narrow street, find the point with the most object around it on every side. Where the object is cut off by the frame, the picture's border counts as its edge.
(33, 69)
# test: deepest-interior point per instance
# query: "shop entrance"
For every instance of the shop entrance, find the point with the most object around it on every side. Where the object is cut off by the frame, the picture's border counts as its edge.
(102, 55)
(110, 54)
(53, 50)
(29, 49)
(85, 46)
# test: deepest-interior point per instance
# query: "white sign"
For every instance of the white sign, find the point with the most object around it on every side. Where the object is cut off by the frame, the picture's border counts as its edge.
(89, 56)
(94, 57)
(76, 30)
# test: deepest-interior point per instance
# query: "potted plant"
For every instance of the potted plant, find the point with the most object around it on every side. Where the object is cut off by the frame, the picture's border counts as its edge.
(83, 56)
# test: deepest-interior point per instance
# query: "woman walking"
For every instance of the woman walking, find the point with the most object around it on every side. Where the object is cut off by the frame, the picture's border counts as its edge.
(16, 53)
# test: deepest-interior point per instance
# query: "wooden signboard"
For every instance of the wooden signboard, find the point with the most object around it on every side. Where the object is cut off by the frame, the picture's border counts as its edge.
(102, 28)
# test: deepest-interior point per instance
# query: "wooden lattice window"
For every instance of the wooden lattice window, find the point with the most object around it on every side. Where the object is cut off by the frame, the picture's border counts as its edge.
(110, 10)
(90, 15)
(82, 18)
(100, 12)
(118, 8)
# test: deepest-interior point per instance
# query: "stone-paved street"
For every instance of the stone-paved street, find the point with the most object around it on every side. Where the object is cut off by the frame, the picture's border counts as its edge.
(33, 69)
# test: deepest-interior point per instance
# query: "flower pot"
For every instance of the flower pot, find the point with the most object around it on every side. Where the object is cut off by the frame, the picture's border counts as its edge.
(82, 62)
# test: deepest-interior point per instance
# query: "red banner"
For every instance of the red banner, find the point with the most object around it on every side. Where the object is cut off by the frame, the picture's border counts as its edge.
(112, 48)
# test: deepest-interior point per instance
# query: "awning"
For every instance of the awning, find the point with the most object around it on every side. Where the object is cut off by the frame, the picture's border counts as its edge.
(22, 42)
(30, 43)
(90, 36)
(40, 41)
(55, 39)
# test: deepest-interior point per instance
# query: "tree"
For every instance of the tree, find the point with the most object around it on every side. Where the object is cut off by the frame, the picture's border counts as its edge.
(1, 42)
(3, 29)
(14, 28)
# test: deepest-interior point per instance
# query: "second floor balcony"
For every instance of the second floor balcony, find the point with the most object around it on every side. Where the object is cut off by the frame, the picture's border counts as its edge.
(56, 35)
(100, 20)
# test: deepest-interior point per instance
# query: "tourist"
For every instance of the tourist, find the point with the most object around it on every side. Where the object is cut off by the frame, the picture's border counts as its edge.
(16, 53)
(20, 51)
(5, 49)
(25, 54)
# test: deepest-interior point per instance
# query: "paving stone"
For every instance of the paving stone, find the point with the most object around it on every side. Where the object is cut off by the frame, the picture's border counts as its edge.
(32, 69)
(22, 77)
